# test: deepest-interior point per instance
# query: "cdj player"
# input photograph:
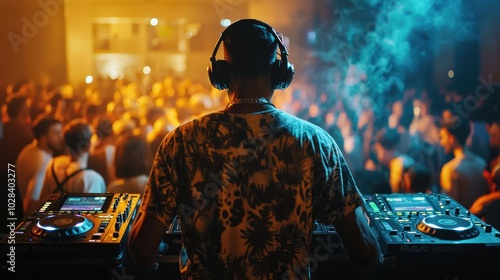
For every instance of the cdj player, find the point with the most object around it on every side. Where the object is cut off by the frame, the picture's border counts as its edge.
(421, 236)
(73, 229)
(430, 229)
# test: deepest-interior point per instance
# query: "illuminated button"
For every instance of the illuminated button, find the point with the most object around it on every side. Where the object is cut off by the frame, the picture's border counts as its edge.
(488, 228)
(96, 236)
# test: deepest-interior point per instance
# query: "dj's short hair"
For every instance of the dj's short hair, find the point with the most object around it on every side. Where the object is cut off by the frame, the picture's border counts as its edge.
(250, 50)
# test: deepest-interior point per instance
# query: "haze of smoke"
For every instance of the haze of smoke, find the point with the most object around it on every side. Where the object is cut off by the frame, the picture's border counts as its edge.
(385, 40)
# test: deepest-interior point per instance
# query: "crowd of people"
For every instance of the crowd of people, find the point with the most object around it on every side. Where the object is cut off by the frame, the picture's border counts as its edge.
(103, 140)
(411, 150)
(87, 143)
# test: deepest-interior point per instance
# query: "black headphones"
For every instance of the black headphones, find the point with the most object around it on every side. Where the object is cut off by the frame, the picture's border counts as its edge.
(281, 70)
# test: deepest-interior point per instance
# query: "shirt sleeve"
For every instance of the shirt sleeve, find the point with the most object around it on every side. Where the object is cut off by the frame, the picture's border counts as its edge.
(160, 194)
(340, 195)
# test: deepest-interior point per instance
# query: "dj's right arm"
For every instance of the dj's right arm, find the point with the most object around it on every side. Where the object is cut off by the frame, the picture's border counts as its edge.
(358, 238)
(157, 209)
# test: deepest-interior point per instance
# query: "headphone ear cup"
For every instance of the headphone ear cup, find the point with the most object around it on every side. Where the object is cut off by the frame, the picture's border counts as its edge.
(281, 74)
(219, 74)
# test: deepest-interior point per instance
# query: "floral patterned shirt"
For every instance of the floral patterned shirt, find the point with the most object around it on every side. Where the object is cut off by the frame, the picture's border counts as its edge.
(247, 189)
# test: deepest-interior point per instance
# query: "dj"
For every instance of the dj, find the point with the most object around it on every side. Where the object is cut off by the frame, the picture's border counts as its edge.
(248, 182)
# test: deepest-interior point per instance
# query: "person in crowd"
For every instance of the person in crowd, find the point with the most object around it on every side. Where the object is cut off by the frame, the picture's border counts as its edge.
(407, 141)
(424, 123)
(487, 207)
(493, 128)
(394, 119)
(68, 173)
(351, 141)
(17, 131)
(56, 106)
(248, 182)
(132, 163)
(34, 158)
(367, 129)
(478, 139)
(161, 128)
(426, 154)
(152, 116)
(417, 179)
(101, 158)
(462, 177)
(388, 159)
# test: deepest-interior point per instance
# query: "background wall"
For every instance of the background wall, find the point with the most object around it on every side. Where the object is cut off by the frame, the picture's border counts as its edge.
(32, 43)
(53, 38)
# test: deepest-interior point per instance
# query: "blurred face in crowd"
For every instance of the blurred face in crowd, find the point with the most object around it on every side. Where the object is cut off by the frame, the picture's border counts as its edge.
(447, 115)
(494, 132)
(446, 140)
(55, 138)
(397, 108)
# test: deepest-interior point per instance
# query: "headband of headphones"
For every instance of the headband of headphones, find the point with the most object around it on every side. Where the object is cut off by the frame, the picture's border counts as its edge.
(281, 70)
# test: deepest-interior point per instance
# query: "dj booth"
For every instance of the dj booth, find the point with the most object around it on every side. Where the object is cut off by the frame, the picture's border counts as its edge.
(84, 236)
(72, 236)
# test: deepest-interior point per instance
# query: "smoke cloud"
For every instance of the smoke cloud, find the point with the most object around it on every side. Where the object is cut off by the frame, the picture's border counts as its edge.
(375, 48)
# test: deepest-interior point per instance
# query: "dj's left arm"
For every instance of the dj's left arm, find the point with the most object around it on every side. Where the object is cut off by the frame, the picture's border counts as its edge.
(144, 239)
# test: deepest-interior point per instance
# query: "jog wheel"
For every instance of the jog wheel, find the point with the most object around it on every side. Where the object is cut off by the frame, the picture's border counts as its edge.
(62, 226)
(448, 227)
